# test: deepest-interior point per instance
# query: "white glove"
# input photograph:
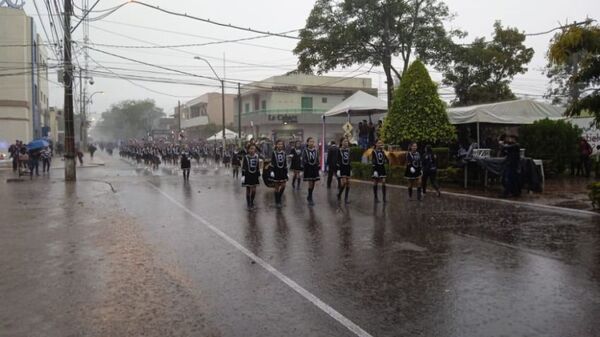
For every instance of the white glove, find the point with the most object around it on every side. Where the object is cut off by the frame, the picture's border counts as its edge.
(243, 179)
(412, 170)
(375, 174)
(272, 174)
(338, 173)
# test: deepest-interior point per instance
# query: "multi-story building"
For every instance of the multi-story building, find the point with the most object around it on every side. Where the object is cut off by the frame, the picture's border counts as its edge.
(205, 110)
(24, 110)
(290, 107)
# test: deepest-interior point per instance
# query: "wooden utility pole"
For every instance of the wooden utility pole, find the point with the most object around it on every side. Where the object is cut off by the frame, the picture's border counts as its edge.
(70, 167)
(239, 113)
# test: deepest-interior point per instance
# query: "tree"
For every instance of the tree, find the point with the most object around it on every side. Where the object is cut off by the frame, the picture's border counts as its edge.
(347, 32)
(482, 71)
(553, 141)
(129, 119)
(418, 114)
(575, 53)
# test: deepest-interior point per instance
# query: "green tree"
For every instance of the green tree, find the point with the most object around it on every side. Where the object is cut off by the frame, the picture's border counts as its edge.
(482, 71)
(577, 50)
(418, 114)
(553, 141)
(347, 32)
(129, 119)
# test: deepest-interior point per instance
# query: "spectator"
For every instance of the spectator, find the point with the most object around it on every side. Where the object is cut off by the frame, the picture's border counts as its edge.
(92, 149)
(13, 150)
(34, 162)
(79, 156)
(332, 158)
(46, 156)
(510, 179)
(585, 153)
(371, 134)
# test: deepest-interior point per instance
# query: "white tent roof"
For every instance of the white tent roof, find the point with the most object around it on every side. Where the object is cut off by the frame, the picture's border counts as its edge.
(229, 135)
(359, 104)
(523, 111)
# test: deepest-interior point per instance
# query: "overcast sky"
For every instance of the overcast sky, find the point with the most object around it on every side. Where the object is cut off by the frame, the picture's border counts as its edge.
(134, 24)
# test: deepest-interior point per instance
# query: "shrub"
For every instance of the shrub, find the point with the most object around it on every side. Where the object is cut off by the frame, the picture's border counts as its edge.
(594, 194)
(443, 156)
(417, 113)
(555, 142)
(356, 154)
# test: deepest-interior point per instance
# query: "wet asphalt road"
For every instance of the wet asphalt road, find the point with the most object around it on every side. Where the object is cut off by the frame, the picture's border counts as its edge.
(161, 257)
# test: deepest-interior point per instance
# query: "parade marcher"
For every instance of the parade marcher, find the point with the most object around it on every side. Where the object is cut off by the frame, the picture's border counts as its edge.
(186, 165)
(344, 169)
(332, 157)
(414, 170)
(296, 164)
(279, 174)
(430, 170)
(311, 163)
(236, 163)
(226, 158)
(46, 156)
(250, 175)
(378, 160)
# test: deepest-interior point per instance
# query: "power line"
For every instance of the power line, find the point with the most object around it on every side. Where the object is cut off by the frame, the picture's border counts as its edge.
(185, 15)
(574, 24)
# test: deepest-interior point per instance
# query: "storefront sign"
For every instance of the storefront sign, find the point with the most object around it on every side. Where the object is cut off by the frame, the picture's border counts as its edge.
(283, 118)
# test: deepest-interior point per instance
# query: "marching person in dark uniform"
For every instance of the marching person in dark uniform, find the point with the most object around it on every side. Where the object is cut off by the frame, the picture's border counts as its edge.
(430, 170)
(279, 174)
(250, 175)
(379, 159)
(332, 157)
(296, 164)
(186, 165)
(236, 163)
(344, 169)
(414, 170)
(311, 165)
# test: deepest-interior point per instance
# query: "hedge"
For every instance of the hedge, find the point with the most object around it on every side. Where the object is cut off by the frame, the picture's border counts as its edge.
(395, 174)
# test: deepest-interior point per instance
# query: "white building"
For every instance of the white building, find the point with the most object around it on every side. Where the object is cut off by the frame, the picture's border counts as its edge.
(290, 107)
(23, 79)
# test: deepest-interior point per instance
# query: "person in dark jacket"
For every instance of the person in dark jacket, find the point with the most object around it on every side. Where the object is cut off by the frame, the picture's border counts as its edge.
(429, 170)
(186, 165)
(332, 158)
(236, 162)
(511, 150)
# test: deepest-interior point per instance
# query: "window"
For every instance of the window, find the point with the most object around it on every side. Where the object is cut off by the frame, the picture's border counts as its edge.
(324, 100)
(307, 103)
(195, 111)
(263, 105)
(247, 107)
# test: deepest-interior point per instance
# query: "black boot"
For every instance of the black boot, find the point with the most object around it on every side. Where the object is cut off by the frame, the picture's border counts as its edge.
(410, 193)
(310, 197)
(346, 195)
(384, 192)
(252, 196)
(375, 193)
(294, 183)
(248, 202)
(340, 191)
(419, 194)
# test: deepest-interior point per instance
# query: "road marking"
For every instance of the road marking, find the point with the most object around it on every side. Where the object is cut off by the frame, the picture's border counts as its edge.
(357, 330)
(555, 209)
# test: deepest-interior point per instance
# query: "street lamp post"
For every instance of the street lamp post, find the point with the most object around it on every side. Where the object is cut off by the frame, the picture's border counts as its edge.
(222, 95)
(83, 125)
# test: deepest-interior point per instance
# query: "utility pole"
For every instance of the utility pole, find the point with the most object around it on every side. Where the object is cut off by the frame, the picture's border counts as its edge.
(179, 114)
(81, 107)
(239, 113)
(223, 111)
(70, 168)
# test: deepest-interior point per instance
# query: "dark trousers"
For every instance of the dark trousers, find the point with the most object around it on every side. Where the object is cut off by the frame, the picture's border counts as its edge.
(15, 164)
(330, 175)
(34, 165)
(46, 165)
(432, 176)
(510, 181)
(586, 165)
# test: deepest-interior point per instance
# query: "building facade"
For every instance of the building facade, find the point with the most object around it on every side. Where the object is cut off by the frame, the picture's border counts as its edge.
(290, 107)
(24, 102)
(203, 111)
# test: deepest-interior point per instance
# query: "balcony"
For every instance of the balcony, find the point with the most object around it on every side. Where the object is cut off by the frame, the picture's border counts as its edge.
(193, 122)
(285, 112)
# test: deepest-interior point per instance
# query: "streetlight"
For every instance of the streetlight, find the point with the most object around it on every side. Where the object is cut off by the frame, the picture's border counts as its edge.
(83, 125)
(222, 95)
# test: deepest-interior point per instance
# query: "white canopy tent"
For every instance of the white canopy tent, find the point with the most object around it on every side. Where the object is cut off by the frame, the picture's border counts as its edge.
(360, 104)
(229, 135)
(517, 112)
